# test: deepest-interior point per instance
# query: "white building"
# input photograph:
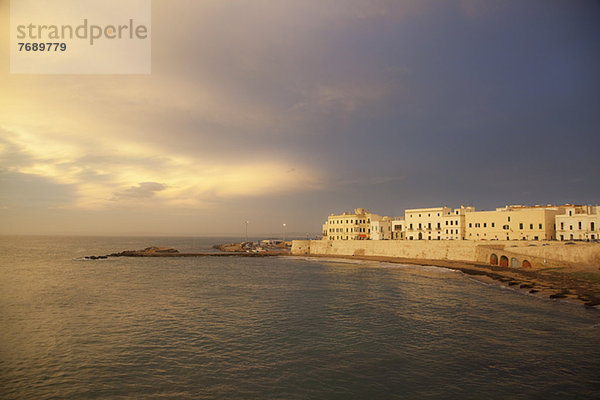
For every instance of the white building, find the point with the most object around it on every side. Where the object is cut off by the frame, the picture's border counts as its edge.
(381, 228)
(425, 223)
(578, 223)
(516, 222)
(398, 229)
(348, 226)
(453, 224)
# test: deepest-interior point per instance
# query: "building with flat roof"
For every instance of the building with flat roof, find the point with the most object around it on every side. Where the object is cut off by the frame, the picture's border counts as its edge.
(453, 224)
(578, 223)
(350, 226)
(425, 223)
(381, 228)
(516, 222)
(398, 228)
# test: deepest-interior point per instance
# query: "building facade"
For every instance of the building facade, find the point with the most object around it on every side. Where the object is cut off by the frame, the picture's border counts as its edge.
(381, 228)
(398, 229)
(425, 223)
(454, 223)
(578, 223)
(513, 223)
(349, 226)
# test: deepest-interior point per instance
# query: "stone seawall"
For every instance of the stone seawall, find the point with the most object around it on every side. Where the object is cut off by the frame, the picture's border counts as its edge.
(504, 253)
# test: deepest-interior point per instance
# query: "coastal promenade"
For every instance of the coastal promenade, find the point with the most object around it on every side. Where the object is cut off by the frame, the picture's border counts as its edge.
(550, 269)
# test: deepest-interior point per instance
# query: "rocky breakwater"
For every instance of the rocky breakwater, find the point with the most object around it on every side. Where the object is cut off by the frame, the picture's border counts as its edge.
(232, 251)
(147, 252)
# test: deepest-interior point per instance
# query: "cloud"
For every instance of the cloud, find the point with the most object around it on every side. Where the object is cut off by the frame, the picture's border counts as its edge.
(104, 173)
(143, 190)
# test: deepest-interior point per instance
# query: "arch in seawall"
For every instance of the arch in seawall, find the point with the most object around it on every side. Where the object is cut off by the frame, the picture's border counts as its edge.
(504, 261)
(493, 259)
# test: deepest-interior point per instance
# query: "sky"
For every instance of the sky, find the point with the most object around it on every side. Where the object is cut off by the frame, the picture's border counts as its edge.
(284, 111)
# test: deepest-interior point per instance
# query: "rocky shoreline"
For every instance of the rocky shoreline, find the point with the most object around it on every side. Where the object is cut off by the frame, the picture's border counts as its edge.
(563, 284)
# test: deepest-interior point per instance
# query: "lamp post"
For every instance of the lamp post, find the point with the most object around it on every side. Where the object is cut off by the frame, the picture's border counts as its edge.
(284, 225)
(246, 222)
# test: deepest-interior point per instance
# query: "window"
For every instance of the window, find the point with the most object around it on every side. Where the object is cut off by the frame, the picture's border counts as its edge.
(493, 224)
(411, 229)
(419, 225)
(438, 225)
(592, 227)
(530, 226)
(485, 225)
(570, 213)
(520, 225)
(562, 225)
(540, 226)
(470, 225)
(447, 222)
(579, 225)
(429, 225)
(508, 219)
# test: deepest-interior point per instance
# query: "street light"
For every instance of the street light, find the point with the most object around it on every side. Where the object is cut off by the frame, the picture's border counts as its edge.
(246, 230)
(284, 233)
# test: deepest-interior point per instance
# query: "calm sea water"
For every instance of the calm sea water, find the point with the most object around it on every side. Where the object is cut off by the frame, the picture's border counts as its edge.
(275, 328)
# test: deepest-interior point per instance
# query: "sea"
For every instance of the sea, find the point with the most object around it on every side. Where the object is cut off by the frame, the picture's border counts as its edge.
(275, 328)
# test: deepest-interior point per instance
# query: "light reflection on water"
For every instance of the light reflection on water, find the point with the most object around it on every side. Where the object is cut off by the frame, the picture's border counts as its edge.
(275, 328)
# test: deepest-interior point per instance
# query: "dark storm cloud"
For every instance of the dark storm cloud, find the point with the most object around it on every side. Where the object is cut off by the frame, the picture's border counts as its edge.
(382, 104)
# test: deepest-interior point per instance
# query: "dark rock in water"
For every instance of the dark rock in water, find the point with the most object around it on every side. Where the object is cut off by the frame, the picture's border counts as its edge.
(533, 291)
(148, 251)
(95, 257)
(512, 283)
(558, 296)
(526, 286)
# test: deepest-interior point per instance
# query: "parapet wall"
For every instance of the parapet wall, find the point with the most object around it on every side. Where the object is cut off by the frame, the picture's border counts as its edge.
(536, 254)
